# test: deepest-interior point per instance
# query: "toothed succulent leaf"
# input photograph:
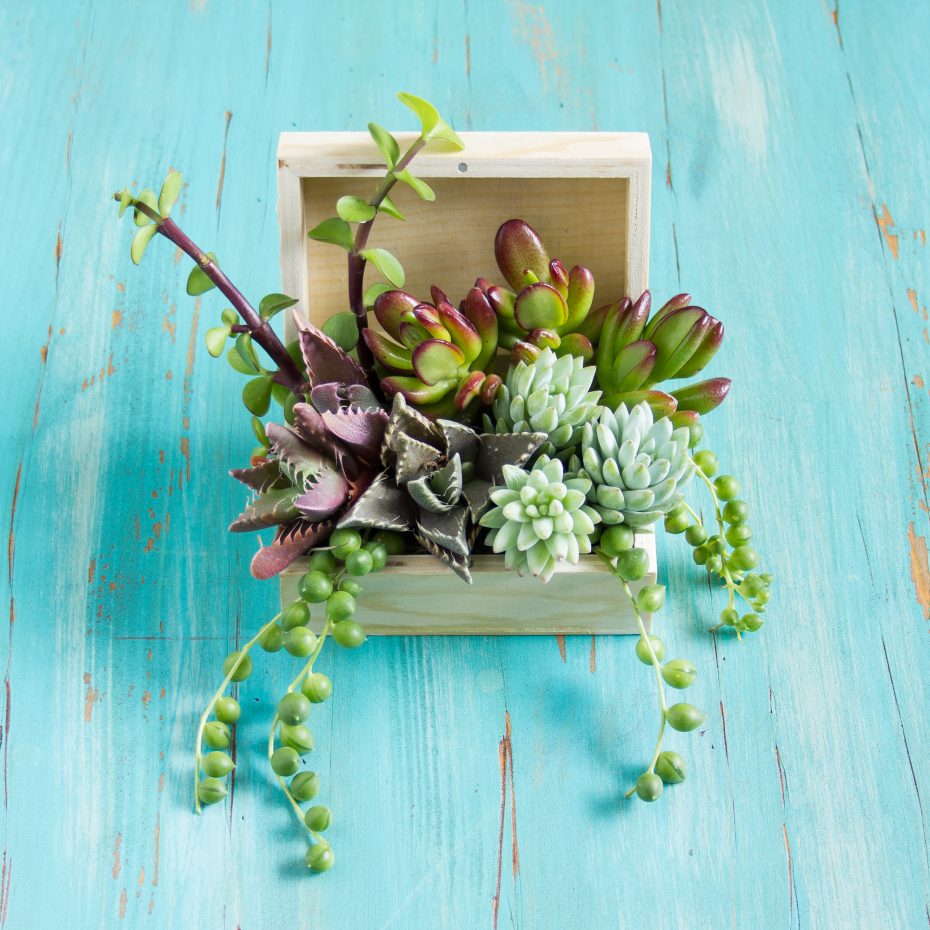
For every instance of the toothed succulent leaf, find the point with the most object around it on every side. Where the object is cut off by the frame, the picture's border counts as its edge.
(436, 481)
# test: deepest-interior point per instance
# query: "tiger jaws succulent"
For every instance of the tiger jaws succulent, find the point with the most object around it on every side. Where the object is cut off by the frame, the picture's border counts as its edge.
(548, 304)
(635, 353)
(436, 356)
(315, 471)
(437, 482)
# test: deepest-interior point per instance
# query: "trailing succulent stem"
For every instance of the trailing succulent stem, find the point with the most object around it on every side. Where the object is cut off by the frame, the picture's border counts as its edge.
(258, 328)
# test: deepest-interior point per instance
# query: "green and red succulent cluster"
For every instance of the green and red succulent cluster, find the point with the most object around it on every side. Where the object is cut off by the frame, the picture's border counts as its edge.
(585, 446)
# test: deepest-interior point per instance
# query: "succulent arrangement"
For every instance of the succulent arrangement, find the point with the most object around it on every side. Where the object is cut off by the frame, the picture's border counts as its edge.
(527, 422)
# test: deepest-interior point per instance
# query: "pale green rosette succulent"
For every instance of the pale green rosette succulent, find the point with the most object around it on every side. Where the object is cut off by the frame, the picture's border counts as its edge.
(540, 518)
(635, 463)
(551, 395)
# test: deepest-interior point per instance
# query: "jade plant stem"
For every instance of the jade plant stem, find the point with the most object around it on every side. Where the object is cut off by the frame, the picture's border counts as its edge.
(657, 668)
(357, 263)
(205, 716)
(260, 329)
(293, 686)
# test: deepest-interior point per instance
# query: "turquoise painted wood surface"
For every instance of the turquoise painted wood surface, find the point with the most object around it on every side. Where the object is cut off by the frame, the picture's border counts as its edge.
(473, 781)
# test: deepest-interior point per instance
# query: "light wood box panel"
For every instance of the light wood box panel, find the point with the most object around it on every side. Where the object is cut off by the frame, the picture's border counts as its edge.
(418, 595)
(588, 196)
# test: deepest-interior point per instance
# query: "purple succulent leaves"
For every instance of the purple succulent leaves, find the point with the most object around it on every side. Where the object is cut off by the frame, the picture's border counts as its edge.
(635, 354)
(437, 361)
(324, 360)
(703, 396)
(546, 297)
(518, 250)
(316, 470)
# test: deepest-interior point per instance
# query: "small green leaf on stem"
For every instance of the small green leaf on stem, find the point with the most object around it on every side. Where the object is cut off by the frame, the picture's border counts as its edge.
(423, 190)
(259, 429)
(354, 209)
(273, 304)
(374, 292)
(229, 316)
(125, 199)
(280, 393)
(342, 329)
(387, 264)
(170, 190)
(235, 360)
(246, 352)
(256, 395)
(433, 126)
(388, 207)
(197, 281)
(140, 242)
(149, 199)
(215, 338)
(386, 142)
(336, 231)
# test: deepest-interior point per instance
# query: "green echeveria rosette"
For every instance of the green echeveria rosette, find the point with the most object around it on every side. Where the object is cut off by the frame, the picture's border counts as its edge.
(540, 518)
(551, 395)
(636, 464)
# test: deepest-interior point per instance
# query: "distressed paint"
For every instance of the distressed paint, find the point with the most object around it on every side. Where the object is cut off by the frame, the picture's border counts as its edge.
(795, 205)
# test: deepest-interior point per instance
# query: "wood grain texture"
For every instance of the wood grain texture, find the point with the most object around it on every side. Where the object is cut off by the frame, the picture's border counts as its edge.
(474, 781)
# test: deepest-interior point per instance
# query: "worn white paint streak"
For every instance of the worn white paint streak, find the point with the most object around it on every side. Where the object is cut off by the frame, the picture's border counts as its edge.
(739, 92)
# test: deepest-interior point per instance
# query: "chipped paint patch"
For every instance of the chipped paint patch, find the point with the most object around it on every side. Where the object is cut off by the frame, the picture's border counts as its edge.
(920, 570)
(886, 224)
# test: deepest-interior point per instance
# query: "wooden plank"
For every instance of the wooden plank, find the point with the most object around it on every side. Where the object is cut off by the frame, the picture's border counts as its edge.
(418, 595)
(586, 193)
(464, 772)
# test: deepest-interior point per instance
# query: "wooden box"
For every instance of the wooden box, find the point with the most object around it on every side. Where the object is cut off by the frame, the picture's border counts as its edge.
(587, 194)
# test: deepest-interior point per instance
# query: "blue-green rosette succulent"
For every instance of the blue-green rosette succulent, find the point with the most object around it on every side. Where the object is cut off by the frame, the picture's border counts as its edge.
(636, 465)
(551, 394)
(540, 518)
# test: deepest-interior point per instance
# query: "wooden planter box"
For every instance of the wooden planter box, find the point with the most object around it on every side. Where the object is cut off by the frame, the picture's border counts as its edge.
(588, 196)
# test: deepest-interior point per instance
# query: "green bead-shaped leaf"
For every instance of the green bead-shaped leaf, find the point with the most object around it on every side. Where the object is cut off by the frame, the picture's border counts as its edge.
(125, 199)
(388, 207)
(342, 329)
(197, 281)
(170, 190)
(140, 242)
(387, 264)
(151, 201)
(256, 395)
(272, 304)
(215, 338)
(436, 360)
(540, 306)
(386, 143)
(355, 209)
(229, 316)
(336, 231)
(423, 190)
